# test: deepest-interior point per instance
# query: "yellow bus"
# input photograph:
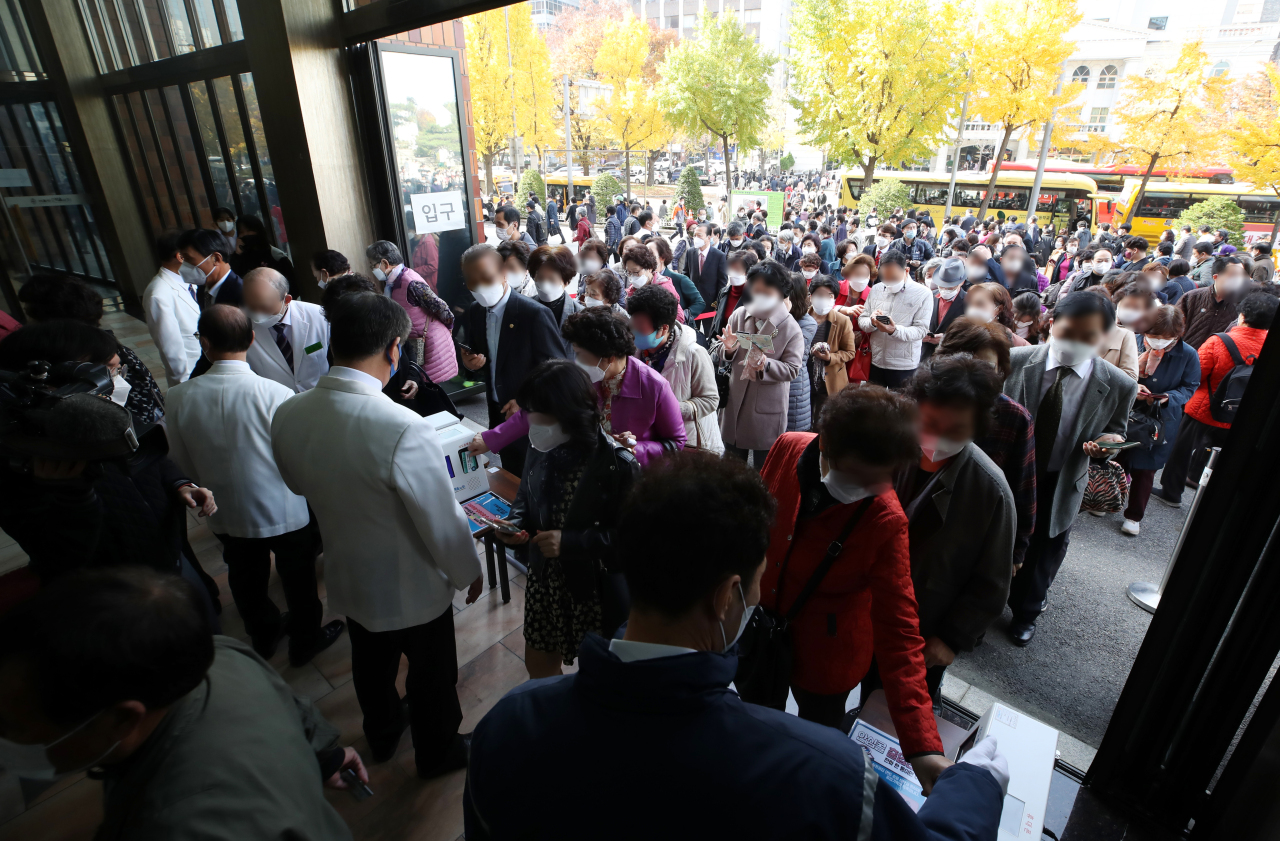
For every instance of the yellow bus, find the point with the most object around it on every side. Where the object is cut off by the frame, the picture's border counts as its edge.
(556, 185)
(1064, 196)
(1165, 201)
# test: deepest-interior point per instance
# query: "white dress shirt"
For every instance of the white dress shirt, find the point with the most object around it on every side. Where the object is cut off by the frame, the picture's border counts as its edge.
(629, 651)
(219, 431)
(213, 290)
(492, 332)
(1072, 395)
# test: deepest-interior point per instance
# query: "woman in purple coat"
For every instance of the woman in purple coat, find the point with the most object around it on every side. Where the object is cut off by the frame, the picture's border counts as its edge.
(638, 407)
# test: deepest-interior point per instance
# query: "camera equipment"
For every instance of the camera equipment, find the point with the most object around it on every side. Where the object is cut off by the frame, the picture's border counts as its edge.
(63, 412)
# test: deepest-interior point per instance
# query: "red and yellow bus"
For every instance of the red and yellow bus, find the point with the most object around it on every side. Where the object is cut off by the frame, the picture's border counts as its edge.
(1164, 202)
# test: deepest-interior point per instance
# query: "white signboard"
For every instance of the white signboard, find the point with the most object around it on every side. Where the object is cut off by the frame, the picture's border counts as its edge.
(15, 178)
(435, 212)
(47, 201)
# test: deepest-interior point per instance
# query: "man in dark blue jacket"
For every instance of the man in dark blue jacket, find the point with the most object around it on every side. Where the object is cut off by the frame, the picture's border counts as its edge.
(648, 736)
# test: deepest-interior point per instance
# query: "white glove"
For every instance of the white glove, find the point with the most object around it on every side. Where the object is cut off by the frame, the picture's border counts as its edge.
(987, 756)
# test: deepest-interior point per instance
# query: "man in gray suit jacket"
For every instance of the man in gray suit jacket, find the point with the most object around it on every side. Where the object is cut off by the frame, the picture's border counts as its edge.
(1077, 401)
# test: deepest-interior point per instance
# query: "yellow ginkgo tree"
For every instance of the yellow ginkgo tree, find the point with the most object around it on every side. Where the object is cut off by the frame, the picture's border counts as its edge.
(1254, 142)
(1016, 57)
(1165, 117)
(533, 87)
(486, 36)
(875, 89)
(631, 118)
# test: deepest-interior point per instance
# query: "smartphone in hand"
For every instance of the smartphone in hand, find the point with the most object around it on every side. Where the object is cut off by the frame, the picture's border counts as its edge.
(884, 319)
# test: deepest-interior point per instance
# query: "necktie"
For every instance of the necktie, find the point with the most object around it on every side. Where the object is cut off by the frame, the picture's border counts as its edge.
(282, 342)
(702, 259)
(1048, 417)
(192, 290)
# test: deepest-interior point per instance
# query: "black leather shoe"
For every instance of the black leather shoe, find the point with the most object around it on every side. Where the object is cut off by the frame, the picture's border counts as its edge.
(384, 749)
(266, 648)
(1169, 501)
(455, 759)
(328, 635)
(1021, 633)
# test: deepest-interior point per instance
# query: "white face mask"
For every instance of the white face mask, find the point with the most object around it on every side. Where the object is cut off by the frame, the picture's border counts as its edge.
(488, 295)
(263, 318)
(637, 280)
(975, 272)
(983, 314)
(809, 274)
(882, 242)
(737, 279)
(544, 439)
(1128, 315)
(948, 293)
(1158, 344)
(380, 275)
(226, 227)
(549, 290)
(516, 280)
(823, 305)
(503, 234)
(735, 242)
(1012, 268)
(1070, 352)
(590, 265)
(762, 305)
(1101, 267)
(594, 372)
(322, 284)
(857, 284)
(1232, 284)
(32, 761)
(747, 610)
(1023, 329)
(808, 249)
(120, 390)
(699, 243)
(1072, 249)
(937, 449)
(894, 287)
(844, 488)
(592, 302)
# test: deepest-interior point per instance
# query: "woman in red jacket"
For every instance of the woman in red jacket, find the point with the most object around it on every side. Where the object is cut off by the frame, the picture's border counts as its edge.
(865, 604)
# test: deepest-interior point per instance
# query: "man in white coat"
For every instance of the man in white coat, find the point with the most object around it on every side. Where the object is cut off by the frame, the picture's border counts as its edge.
(291, 337)
(172, 310)
(219, 429)
(396, 544)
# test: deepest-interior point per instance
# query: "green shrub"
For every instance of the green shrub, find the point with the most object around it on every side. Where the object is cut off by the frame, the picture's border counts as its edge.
(531, 182)
(1219, 213)
(787, 162)
(606, 188)
(689, 190)
(885, 196)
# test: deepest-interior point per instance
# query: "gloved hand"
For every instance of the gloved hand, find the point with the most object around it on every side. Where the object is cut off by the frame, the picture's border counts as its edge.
(987, 755)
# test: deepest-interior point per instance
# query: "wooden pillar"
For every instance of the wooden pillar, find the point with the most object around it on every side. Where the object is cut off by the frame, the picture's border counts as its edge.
(104, 167)
(300, 75)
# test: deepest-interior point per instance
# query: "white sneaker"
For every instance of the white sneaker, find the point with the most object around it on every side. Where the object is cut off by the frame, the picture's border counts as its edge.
(1130, 528)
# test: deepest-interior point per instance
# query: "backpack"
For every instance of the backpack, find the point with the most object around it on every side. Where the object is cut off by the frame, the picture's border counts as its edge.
(1226, 397)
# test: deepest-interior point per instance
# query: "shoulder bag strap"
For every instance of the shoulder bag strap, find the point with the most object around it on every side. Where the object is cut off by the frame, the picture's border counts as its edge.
(1233, 349)
(833, 552)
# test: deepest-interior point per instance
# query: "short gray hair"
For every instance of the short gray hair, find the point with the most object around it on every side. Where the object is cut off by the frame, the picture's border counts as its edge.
(269, 275)
(383, 250)
(786, 236)
(931, 266)
(478, 251)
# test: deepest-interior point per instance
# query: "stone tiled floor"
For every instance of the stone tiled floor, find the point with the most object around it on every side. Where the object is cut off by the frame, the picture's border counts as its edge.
(490, 645)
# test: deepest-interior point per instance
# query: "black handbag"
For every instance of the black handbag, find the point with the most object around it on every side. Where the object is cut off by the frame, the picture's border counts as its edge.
(1145, 426)
(764, 651)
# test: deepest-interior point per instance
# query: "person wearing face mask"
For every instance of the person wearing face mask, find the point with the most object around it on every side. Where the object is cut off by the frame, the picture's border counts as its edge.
(535, 225)
(799, 415)
(706, 266)
(736, 239)
(1064, 260)
(917, 249)
(506, 335)
(172, 311)
(553, 268)
(788, 254)
(755, 413)
(1179, 282)
(641, 269)
(735, 292)
(603, 289)
(949, 302)
(1094, 265)
(898, 311)
(883, 239)
(1135, 254)
(219, 284)
(394, 553)
(960, 509)
(1077, 401)
(224, 221)
(1015, 270)
(661, 692)
(810, 269)
(219, 432)
(430, 342)
(990, 302)
(575, 480)
(1155, 276)
(291, 343)
(1168, 376)
(857, 279)
(118, 671)
(254, 250)
(327, 264)
(582, 228)
(833, 346)
(691, 303)
(672, 350)
(1135, 302)
(507, 227)
(515, 262)
(1200, 429)
(841, 480)
(1213, 309)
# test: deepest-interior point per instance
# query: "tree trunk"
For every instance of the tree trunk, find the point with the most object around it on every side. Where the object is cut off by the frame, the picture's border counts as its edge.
(648, 176)
(1142, 190)
(995, 171)
(1275, 228)
(488, 172)
(627, 159)
(728, 166)
(869, 172)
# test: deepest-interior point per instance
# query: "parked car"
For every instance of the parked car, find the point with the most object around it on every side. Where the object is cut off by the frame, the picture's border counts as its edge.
(703, 178)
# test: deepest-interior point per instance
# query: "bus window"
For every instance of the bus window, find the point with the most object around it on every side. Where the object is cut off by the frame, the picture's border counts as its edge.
(1259, 209)
(855, 187)
(932, 194)
(1164, 205)
(968, 198)
(1048, 201)
(1010, 200)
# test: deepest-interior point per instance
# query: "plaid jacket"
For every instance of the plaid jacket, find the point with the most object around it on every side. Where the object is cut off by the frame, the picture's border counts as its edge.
(1011, 444)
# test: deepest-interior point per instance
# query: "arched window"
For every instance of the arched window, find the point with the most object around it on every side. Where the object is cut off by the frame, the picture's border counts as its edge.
(1107, 78)
(1081, 75)
(1220, 69)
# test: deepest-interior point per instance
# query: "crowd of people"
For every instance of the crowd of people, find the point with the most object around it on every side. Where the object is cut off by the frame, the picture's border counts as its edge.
(882, 431)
